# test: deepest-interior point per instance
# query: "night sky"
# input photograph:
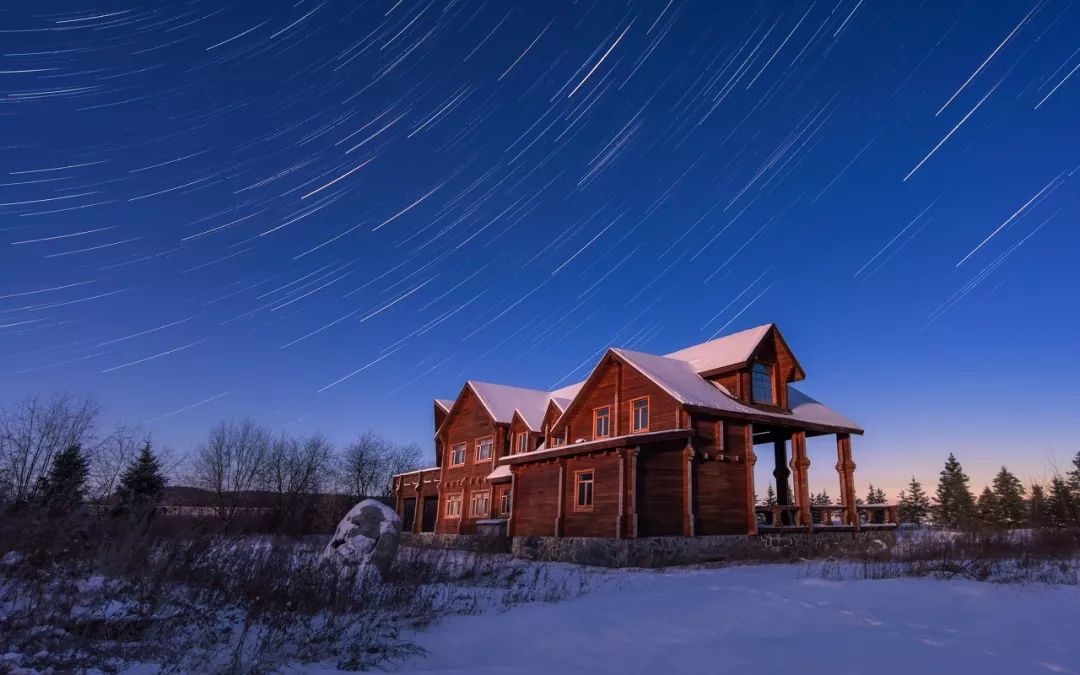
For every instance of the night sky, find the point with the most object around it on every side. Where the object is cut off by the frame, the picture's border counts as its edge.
(323, 214)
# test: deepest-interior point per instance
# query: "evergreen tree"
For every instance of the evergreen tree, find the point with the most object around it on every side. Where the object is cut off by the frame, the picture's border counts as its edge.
(1061, 505)
(62, 489)
(1009, 499)
(954, 499)
(1073, 478)
(142, 482)
(875, 495)
(987, 507)
(770, 497)
(914, 505)
(821, 499)
(1038, 510)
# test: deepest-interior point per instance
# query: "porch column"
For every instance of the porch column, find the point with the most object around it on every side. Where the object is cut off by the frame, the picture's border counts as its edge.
(800, 465)
(562, 490)
(688, 490)
(846, 468)
(750, 459)
(631, 489)
(781, 473)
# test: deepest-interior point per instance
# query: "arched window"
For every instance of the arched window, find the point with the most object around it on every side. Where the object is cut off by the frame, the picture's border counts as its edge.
(761, 380)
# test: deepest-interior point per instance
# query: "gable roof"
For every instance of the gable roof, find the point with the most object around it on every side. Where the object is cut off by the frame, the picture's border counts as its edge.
(725, 351)
(679, 374)
(445, 403)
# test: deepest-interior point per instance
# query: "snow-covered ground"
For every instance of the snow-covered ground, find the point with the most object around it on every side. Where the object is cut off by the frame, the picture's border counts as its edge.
(765, 620)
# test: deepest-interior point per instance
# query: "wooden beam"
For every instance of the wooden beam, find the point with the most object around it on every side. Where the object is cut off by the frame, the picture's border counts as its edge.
(781, 472)
(632, 491)
(688, 489)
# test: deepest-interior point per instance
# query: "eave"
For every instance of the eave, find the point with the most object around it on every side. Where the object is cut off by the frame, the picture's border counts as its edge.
(598, 444)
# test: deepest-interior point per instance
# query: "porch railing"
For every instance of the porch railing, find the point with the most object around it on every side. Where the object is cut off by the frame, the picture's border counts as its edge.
(825, 517)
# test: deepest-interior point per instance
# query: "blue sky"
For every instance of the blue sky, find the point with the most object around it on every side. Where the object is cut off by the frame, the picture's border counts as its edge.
(322, 215)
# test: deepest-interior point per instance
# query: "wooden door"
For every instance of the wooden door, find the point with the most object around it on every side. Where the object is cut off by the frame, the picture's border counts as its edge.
(431, 510)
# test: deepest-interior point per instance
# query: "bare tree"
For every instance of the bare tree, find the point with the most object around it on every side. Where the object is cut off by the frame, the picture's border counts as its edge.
(368, 464)
(32, 431)
(109, 458)
(296, 470)
(232, 460)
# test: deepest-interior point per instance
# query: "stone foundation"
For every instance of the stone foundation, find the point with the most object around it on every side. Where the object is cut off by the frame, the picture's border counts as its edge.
(667, 551)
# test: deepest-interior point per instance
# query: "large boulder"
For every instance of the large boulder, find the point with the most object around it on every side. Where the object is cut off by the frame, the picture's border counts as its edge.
(368, 535)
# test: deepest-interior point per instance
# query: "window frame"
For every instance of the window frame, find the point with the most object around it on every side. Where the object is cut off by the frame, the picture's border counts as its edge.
(505, 496)
(459, 499)
(490, 440)
(486, 494)
(633, 417)
(578, 506)
(521, 443)
(464, 445)
(607, 421)
(771, 370)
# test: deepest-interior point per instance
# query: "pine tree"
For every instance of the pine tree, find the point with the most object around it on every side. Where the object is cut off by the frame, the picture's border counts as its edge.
(955, 502)
(987, 507)
(1038, 510)
(821, 499)
(875, 495)
(142, 482)
(770, 497)
(914, 505)
(1008, 499)
(61, 490)
(1061, 504)
(1073, 478)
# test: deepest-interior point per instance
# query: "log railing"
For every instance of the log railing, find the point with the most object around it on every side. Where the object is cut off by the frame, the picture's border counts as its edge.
(825, 517)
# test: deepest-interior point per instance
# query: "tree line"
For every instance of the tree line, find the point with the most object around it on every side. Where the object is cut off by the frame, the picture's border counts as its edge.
(1005, 502)
(54, 454)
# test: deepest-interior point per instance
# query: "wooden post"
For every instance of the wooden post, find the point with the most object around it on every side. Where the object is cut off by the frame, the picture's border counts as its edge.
(510, 516)
(750, 459)
(559, 503)
(800, 465)
(688, 489)
(632, 491)
(619, 533)
(781, 473)
(846, 468)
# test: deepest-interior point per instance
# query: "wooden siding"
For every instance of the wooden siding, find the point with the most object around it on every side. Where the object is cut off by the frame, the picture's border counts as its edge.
(719, 476)
(416, 486)
(661, 486)
(601, 520)
(468, 422)
(536, 494)
(616, 385)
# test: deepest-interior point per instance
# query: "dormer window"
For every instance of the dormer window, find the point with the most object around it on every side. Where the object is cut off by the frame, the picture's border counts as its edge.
(761, 383)
(602, 422)
(523, 441)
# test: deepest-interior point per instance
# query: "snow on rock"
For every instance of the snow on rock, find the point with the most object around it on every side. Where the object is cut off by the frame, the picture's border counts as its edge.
(367, 535)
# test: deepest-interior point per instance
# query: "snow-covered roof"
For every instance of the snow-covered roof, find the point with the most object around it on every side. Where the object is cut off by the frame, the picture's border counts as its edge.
(501, 401)
(445, 403)
(678, 374)
(725, 351)
(501, 472)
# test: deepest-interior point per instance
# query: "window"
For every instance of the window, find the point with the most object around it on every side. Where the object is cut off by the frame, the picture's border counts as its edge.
(583, 482)
(523, 441)
(479, 504)
(602, 422)
(483, 449)
(761, 383)
(453, 506)
(504, 502)
(457, 454)
(556, 440)
(639, 414)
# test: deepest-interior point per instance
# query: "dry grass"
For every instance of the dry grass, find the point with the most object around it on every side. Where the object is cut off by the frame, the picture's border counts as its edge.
(993, 555)
(101, 594)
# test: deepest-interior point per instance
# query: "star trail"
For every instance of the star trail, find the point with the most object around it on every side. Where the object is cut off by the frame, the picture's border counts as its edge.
(346, 208)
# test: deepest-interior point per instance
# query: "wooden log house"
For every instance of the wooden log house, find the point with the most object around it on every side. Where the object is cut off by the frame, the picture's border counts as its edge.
(647, 445)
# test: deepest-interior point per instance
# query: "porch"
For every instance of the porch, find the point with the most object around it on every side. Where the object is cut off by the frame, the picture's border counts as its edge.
(794, 510)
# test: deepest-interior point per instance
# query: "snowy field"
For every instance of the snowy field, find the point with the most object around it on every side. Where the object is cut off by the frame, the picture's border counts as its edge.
(765, 620)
